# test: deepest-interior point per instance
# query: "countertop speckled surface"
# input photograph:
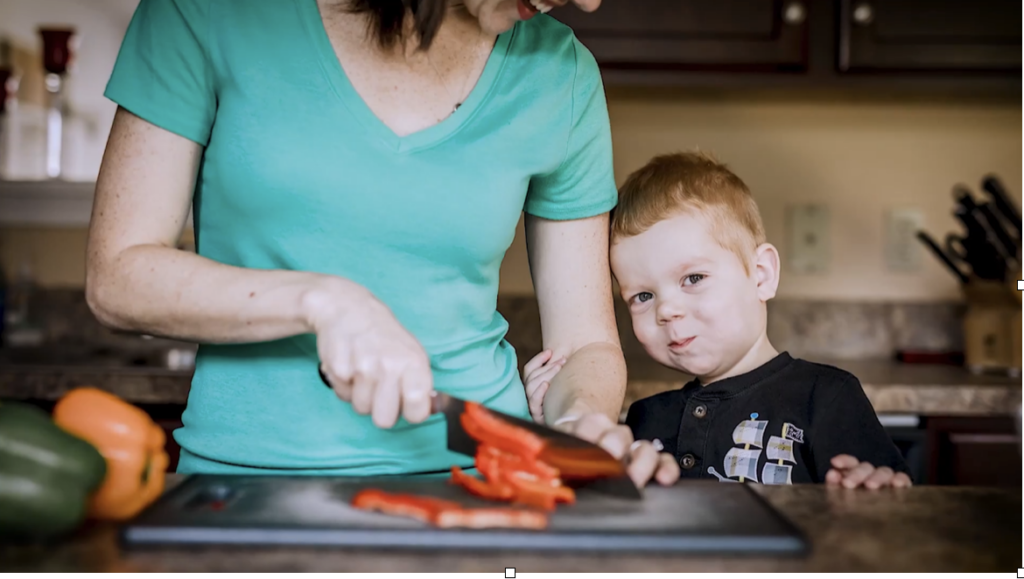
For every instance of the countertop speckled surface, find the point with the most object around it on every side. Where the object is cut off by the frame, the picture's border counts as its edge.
(921, 529)
(891, 387)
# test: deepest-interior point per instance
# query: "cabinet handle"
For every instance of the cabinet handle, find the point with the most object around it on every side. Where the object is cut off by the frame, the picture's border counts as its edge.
(794, 13)
(863, 13)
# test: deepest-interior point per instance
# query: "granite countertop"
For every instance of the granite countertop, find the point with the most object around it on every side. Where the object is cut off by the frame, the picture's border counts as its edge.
(921, 529)
(892, 387)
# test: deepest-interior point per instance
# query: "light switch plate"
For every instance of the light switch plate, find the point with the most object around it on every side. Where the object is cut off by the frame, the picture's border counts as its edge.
(808, 235)
(903, 252)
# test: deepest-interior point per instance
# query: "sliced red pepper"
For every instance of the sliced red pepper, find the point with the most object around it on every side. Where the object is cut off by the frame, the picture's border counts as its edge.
(497, 517)
(537, 493)
(481, 488)
(496, 432)
(511, 461)
(425, 509)
(523, 480)
(446, 514)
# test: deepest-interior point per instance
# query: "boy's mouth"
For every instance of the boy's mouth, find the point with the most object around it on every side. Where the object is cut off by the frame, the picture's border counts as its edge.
(679, 345)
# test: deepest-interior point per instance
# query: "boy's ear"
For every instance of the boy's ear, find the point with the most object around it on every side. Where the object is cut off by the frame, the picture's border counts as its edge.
(767, 271)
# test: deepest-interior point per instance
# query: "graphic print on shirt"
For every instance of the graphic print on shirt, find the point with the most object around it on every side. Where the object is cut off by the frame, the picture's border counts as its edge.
(742, 462)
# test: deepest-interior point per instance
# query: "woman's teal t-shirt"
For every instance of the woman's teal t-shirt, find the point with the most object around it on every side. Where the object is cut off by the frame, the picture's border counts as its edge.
(299, 174)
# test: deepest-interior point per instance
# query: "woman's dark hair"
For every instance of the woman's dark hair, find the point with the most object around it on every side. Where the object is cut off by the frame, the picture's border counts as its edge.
(388, 16)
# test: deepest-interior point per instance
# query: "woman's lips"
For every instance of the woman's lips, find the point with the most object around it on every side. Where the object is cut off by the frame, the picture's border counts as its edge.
(526, 9)
(680, 345)
(529, 8)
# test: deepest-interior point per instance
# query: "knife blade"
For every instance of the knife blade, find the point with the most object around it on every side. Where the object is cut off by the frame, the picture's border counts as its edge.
(559, 446)
(997, 192)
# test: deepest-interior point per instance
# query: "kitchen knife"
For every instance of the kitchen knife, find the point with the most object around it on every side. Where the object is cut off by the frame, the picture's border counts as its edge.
(561, 449)
(975, 249)
(984, 260)
(934, 247)
(997, 192)
(988, 218)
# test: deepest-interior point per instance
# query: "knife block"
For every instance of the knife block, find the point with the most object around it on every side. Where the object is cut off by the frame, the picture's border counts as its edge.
(992, 328)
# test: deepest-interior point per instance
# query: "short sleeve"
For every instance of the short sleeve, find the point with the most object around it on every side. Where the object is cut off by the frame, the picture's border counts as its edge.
(163, 71)
(583, 185)
(847, 424)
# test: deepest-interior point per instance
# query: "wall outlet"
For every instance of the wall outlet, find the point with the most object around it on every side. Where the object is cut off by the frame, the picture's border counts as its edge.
(808, 235)
(903, 251)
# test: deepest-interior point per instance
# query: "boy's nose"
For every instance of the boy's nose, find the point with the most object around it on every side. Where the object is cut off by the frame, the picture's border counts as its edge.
(669, 311)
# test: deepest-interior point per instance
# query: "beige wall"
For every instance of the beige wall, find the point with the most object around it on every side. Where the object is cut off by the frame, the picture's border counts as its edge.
(859, 158)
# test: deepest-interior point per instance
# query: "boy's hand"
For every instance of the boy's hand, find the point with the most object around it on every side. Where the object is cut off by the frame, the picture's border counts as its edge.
(538, 375)
(851, 473)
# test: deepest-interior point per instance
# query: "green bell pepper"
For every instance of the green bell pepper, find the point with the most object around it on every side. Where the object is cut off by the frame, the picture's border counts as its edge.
(46, 475)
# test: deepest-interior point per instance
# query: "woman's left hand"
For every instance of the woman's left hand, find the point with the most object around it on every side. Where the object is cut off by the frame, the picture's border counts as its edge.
(644, 461)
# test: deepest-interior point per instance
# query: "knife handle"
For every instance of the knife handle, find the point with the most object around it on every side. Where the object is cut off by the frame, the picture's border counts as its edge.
(934, 247)
(1003, 239)
(995, 189)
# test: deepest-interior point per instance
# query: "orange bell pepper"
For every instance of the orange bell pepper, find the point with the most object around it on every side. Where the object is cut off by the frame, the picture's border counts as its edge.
(131, 443)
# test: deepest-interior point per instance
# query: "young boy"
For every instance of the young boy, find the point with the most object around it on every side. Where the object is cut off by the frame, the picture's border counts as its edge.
(688, 251)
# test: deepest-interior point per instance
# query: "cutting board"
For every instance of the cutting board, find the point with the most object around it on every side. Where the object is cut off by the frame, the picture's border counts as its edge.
(692, 516)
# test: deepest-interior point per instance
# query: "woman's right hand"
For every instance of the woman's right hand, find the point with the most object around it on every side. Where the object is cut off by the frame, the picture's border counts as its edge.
(369, 359)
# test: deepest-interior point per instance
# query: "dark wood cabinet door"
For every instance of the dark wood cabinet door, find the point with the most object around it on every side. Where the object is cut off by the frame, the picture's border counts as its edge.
(929, 35)
(975, 451)
(694, 34)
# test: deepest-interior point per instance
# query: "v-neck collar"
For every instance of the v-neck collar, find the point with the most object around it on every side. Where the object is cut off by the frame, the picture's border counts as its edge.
(350, 97)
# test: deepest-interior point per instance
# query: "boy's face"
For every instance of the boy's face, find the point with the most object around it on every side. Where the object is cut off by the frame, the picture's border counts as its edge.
(693, 305)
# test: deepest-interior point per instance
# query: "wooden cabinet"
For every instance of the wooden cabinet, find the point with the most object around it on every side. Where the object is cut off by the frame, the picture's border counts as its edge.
(974, 451)
(694, 34)
(930, 35)
(922, 47)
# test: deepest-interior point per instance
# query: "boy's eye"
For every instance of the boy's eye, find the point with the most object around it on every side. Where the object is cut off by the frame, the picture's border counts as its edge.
(692, 279)
(643, 297)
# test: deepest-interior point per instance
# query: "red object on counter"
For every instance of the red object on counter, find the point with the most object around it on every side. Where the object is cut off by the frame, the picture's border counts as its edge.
(932, 358)
(507, 456)
(56, 49)
(447, 514)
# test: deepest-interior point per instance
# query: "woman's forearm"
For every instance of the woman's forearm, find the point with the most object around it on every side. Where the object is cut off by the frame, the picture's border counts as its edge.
(167, 292)
(592, 380)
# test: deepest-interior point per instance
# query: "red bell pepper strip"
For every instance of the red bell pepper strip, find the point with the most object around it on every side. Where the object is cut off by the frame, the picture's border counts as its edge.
(481, 488)
(489, 429)
(511, 461)
(446, 514)
(497, 517)
(425, 509)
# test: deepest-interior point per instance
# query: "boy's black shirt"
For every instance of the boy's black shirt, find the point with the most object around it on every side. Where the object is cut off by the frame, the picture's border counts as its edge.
(783, 422)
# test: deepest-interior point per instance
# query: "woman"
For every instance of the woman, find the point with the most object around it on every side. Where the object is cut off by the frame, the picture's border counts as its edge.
(358, 169)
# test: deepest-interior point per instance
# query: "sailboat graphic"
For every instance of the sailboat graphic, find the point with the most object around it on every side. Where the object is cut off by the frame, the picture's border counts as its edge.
(742, 462)
(780, 449)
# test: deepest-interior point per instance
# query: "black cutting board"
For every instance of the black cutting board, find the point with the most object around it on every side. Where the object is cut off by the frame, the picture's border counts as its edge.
(692, 516)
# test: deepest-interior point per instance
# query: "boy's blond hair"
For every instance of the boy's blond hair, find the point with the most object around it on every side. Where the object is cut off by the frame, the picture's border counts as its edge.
(690, 181)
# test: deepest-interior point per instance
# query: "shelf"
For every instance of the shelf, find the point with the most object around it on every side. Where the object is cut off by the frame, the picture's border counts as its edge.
(50, 203)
